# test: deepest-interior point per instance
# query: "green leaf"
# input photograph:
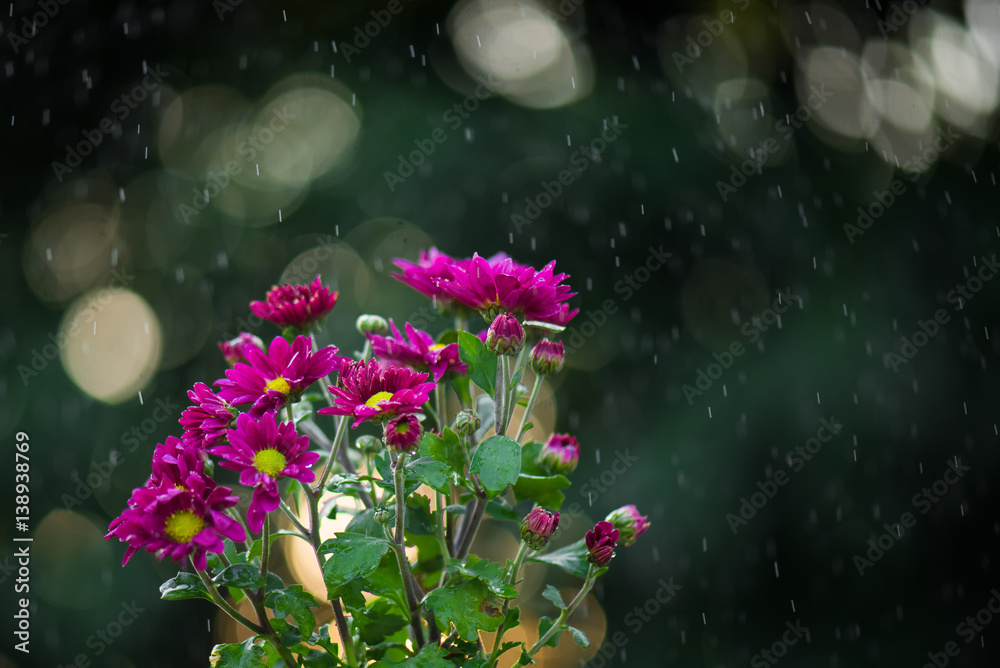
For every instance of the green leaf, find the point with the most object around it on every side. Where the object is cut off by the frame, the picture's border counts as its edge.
(469, 605)
(445, 449)
(489, 572)
(385, 581)
(498, 509)
(525, 657)
(529, 460)
(497, 462)
(182, 586)
(547, 326)
(544, 624)
(243, 655)
(301, 410)
(364, 523)
(572, 558)
(287, 633)
(543, 490)
(243, 576)
(429, 471)
(552, 594)
(351, 556)
(379, 621)
(273, 583)
(580, 637)
(517, 377)
(430, 656)
(294, 602)
(482, 362)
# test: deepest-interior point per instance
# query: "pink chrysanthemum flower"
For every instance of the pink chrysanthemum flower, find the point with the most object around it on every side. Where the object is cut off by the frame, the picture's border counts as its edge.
(173, 522)
(271, 381)
(371, 391)
(206, 422)
(173, 463)
(234, 350)
(432, 267)
(508, 287)
(561, 453)
(538, 527)
(264, 451)
(298, 306)
(418, 350)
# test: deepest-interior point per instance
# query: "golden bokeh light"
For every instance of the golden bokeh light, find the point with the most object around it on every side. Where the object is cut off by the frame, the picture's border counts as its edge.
(81, 582)
(521, 47)
(110, 343)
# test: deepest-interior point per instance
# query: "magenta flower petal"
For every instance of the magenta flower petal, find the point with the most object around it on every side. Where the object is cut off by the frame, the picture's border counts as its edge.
(298, 306)
(418, 351)
(264, 451)
(372, 391)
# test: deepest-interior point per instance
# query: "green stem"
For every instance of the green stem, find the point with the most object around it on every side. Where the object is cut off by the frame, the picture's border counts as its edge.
(334, 449)
(565, 614)
(398, 476)
(294, 520)
(500, 394)
(224, 604)
(472, 528)
(345, 635)
(530, 407)
(511, 578)
(265, 553)
(440, 397)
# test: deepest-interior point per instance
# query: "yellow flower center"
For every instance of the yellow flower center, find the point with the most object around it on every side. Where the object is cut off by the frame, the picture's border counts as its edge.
(279, 384)
(438, 346)
(378, 399)
(184, 525)
(402, 428)
(270, 462)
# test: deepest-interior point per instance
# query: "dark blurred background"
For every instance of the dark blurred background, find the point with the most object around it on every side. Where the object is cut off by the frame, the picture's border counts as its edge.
(835, 161)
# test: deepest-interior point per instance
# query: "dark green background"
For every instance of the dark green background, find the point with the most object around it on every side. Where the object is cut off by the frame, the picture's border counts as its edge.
(623, 388)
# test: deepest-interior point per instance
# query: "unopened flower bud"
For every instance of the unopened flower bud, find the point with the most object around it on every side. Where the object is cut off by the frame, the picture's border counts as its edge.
(506, 335)
(402, 434)
(368, 444)
(629, 522)
(560, 454)
(372, 324)
(547, 357)
(601, 542)
(382, 515)
(234, 350)
(538, 527)
(466, 423)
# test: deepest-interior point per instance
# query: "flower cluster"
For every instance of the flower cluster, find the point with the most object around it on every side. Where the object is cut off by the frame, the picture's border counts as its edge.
(261, 432)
